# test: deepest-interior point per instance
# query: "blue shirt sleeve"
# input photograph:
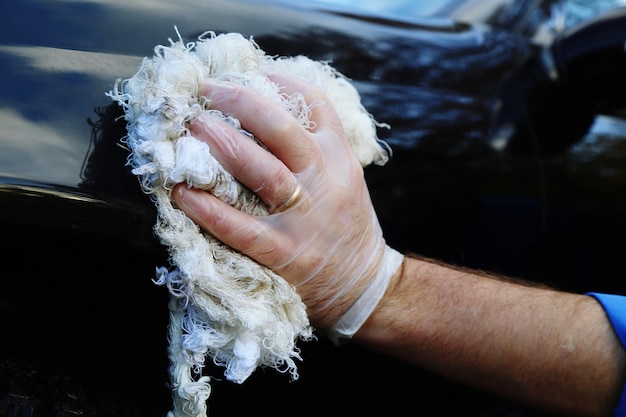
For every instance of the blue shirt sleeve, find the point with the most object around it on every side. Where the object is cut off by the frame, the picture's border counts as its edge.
(615, 308)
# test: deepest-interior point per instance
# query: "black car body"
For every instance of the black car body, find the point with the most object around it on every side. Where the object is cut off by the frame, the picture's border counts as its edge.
(495, 165)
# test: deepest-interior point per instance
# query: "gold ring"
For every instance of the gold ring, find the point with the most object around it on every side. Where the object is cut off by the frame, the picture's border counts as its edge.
(293, 199)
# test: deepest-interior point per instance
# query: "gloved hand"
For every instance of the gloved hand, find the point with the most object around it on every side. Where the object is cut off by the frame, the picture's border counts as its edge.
(322, 234)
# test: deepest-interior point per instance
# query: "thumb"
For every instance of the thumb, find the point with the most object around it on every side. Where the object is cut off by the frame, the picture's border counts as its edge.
(241, 231)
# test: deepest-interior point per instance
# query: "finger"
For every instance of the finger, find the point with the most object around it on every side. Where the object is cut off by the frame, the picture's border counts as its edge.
(234, 228)
(323, 114)
(252, 165)
(328, 133)
(266, 120)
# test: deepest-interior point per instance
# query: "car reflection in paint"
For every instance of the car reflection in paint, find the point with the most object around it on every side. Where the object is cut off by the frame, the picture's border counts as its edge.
(83, 326)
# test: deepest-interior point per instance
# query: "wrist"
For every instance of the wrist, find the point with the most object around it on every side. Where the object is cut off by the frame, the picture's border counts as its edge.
(387, 326)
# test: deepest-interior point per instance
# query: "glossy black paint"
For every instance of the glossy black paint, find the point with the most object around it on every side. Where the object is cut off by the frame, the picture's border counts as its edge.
(77, 305)
(592, 61)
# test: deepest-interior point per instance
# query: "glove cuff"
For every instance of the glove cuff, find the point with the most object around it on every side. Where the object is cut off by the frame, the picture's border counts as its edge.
(352, 320)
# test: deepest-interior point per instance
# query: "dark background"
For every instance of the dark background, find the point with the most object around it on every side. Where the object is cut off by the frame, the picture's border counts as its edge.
(82, 326)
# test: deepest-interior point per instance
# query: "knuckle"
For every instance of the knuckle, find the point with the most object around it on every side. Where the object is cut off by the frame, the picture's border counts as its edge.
(259, 245)
(286, 130)
(272, 256)
(312, 92)
(284, 187)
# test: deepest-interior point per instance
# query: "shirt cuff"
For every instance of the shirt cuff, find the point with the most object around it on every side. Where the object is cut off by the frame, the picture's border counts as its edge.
(615, 308)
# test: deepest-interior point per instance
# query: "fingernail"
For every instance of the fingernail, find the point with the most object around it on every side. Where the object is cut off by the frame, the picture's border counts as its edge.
(216, 90)
(221, 139)
(186, 199)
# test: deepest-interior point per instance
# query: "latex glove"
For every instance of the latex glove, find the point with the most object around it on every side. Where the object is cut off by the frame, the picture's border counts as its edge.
(328, 243)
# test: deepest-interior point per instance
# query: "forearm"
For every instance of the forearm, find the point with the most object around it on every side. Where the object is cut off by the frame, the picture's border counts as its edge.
(553, 350)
